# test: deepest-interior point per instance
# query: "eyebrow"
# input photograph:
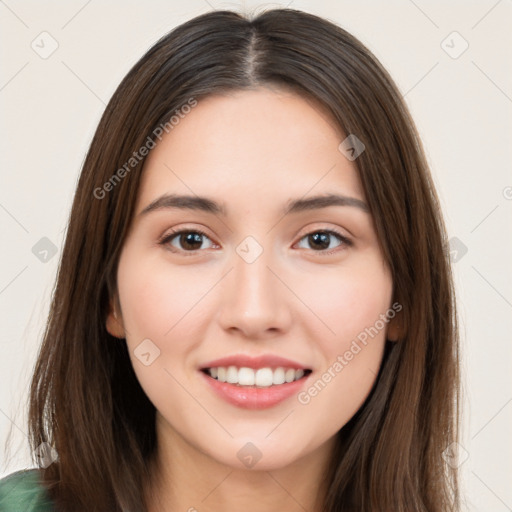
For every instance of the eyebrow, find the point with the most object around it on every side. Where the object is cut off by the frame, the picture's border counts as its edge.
(205, 204)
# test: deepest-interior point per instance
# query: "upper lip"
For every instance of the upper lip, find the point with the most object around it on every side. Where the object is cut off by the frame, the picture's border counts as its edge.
(255, 362)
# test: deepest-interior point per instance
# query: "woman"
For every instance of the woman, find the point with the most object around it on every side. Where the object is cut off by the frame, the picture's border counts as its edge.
(306, 357)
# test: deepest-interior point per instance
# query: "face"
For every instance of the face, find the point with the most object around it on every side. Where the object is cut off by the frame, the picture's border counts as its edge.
(250, 275)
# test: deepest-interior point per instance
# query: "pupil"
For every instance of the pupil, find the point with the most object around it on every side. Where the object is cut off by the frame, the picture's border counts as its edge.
(191, 238)
(323, 238)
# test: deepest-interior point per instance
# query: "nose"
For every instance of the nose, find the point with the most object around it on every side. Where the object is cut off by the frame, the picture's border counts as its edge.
(255, 303)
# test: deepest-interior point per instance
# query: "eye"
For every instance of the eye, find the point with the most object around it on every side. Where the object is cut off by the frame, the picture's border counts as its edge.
(321, 240)
(187, 240)
(191, 240)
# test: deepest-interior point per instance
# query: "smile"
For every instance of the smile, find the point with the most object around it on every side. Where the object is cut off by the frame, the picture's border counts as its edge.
(262, 377)
(269, 386)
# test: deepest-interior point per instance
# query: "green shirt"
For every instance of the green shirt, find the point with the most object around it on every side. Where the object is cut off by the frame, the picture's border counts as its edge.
(22, 491)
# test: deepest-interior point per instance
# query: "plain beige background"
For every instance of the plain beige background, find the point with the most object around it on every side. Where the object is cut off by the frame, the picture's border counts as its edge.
(451, 61)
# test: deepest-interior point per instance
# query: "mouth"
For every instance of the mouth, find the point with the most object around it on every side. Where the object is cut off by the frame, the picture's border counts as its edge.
(255, 382)
(245, 377)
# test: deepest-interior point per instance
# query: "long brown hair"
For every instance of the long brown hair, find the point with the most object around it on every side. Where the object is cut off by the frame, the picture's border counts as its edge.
(85, 399)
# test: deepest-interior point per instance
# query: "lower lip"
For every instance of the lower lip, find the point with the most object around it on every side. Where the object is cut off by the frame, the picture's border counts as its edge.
(255, 398)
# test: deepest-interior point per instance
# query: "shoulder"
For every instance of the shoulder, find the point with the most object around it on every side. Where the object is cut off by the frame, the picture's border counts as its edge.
(23, 491)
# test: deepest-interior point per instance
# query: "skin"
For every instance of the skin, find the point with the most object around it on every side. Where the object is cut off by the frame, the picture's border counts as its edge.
(254, 151)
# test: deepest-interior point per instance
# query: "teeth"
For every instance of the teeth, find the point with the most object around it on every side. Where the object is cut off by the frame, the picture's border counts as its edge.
(232, 375)
(263, 377)
(244, 376)
(278, 376)
(289, 376)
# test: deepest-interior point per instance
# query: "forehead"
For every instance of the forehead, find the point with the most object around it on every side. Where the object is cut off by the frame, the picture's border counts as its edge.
(254, 147)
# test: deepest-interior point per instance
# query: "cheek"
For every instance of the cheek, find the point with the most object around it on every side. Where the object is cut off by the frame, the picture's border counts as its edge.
(159, 304)
(347, 301)
(156, 298)
(351, 304)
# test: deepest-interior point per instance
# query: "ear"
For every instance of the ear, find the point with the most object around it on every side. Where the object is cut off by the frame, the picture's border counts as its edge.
(395, 329)
(114, 323)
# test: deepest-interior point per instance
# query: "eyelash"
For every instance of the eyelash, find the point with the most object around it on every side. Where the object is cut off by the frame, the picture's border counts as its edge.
(165, 239)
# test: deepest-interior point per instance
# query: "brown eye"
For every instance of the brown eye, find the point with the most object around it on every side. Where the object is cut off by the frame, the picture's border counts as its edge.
(321, 240)
(185, 240)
